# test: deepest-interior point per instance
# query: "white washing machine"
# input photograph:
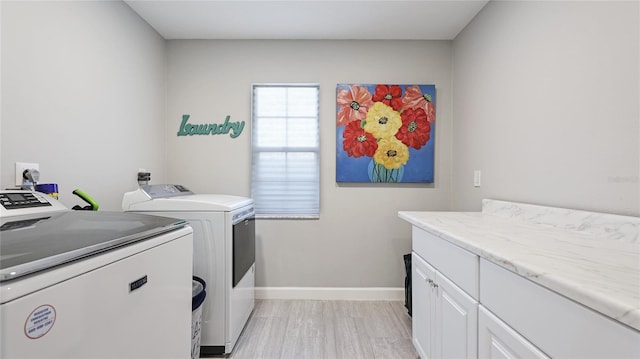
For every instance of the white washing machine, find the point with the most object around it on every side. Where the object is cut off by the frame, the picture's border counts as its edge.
(224, 254)
(85, 284)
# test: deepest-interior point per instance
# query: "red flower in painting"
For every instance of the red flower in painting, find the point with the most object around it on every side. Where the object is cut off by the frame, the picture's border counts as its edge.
(413, 98)
(415, 130)
(389, 95)
(357, 142)
(354, 104)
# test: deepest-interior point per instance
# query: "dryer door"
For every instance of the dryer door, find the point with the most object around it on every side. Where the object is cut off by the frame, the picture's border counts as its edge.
(244, 245)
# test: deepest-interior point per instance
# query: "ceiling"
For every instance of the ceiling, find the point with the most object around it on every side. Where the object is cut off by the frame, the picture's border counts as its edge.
(308, 19)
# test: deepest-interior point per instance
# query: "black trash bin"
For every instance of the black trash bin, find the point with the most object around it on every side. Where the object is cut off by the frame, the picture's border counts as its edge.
(407, 282)
(198, 294)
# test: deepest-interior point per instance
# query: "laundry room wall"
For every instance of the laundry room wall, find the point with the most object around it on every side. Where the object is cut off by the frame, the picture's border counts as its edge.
(358, 240)
(547, 105)
(82, 96)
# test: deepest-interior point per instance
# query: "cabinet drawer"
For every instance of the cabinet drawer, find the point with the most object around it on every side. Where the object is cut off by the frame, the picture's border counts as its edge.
(455, 263)
(558, 326)
(497, 340)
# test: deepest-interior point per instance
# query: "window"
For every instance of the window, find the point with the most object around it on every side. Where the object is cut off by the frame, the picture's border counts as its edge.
(285, 169)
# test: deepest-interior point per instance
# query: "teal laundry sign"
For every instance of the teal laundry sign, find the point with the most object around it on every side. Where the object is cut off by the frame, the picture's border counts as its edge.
(233, 129)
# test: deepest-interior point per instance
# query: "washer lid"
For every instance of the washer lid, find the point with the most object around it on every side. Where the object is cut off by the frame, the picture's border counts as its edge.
(38, 242)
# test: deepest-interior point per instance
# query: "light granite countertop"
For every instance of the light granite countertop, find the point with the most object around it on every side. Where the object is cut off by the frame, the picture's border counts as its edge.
(591, 258)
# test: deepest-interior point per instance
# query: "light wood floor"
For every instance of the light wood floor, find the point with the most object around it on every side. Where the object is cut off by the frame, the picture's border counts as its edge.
(318, 329)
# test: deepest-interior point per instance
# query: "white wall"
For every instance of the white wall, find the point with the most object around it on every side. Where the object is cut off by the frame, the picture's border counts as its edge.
(82, 95)
(358, 240)
(546, 104)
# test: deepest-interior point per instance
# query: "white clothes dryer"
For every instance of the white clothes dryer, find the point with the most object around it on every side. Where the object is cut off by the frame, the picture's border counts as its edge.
(223, 254)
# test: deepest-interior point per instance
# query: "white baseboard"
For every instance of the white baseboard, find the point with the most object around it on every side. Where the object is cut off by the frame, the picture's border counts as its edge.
(330, 293)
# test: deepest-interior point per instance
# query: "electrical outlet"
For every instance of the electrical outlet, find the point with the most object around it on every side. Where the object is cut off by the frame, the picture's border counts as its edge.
(21, 167)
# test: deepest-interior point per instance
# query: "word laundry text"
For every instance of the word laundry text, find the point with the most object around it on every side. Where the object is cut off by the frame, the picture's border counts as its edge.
(187, 129)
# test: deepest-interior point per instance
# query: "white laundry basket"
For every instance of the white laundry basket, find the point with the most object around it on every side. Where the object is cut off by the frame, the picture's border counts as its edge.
(198, 295)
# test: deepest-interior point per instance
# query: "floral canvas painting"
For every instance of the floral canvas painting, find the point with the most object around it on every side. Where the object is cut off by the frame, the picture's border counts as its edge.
(385, 133)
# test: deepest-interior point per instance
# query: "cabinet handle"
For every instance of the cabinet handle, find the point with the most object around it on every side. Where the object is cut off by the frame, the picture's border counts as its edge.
(432, 283)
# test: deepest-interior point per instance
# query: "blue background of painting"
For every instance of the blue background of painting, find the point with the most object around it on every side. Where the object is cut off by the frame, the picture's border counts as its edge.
(419, 168)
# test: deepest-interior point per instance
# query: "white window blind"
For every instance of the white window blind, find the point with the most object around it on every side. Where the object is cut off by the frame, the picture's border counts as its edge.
(285, 169)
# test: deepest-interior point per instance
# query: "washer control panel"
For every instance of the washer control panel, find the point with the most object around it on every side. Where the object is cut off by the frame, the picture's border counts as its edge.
(19, 202)
(22, 200)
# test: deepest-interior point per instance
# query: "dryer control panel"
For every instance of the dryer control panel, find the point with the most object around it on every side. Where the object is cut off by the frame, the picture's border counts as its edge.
(165, 190)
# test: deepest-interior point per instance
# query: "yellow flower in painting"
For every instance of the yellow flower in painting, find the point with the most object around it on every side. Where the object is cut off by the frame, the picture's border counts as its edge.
(382, 121)
(391, 153)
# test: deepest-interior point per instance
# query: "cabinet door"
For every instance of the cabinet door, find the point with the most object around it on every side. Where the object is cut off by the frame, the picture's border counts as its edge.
(497, 340)
(457, 320)
(423, 303)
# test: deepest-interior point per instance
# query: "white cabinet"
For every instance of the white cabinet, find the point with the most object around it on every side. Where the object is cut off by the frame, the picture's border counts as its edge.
(423, 306)
(471, 301)
(496, 340)
(456, 320)
(444, 316)
(558, 326)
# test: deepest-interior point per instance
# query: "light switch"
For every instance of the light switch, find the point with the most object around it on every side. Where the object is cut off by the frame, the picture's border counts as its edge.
(476, 178)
